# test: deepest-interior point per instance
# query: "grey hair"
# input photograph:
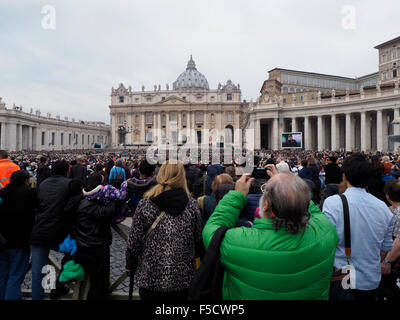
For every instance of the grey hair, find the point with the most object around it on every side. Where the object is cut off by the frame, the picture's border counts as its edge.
(288, 197)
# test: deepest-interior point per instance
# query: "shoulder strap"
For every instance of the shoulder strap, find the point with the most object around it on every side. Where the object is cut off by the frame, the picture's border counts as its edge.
(155, 223)
(346, 216)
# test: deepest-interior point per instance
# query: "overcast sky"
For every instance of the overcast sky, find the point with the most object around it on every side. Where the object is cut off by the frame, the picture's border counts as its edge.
(98, 44)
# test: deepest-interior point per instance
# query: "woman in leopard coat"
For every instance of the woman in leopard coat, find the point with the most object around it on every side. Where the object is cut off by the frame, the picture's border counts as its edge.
(164, 260)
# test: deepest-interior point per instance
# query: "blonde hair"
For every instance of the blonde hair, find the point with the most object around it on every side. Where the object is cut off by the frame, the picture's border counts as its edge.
(223, 178)
(385, 159)
(170, 176)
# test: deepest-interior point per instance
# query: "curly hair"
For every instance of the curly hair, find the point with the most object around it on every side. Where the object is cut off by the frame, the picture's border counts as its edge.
(288, 198)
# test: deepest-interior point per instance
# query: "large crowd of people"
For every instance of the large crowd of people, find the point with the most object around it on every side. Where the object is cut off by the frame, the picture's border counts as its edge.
(287, 236)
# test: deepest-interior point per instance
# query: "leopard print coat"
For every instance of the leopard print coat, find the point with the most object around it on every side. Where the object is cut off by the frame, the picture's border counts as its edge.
(165, 260)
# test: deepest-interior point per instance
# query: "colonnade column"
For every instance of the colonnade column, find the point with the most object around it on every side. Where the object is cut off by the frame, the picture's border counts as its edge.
(257, 134)
(19, 135)
(294, 125)
(307, 136)
(30, 137)
(334, 145)
(348, 132)
(3, 136)
(379, 136)
(396, 127)
(363, 131)
(275, 134)
(321, 133)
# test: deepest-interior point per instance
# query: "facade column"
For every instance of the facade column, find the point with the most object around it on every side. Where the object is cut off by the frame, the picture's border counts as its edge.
(257, 134)
(3, 136)
(179, 127)
(307, 136)
(348, 132)
(334, 145)
(321, 133)
(363, 131)
(275, 134)
(294, 125)
(379, 133)
(143, 129)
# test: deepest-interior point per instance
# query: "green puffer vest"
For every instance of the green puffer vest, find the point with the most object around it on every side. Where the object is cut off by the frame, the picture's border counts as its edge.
(261, 263)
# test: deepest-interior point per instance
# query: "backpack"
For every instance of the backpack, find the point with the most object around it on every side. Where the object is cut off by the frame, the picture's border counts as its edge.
(208, 279)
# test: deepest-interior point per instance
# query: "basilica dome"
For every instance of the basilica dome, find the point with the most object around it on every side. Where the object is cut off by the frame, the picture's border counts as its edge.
(191, 78)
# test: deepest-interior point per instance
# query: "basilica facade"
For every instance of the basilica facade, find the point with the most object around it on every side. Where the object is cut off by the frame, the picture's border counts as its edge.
(332, 112)
(188, 112)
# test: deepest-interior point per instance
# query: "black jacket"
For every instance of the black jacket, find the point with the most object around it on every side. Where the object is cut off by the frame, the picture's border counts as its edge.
(91, 227)
(17, 214)
(43, 172)
(51, 223)
(333, 174)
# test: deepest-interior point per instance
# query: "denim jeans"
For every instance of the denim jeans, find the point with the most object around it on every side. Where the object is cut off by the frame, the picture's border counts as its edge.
(13, 268)
(40, 258)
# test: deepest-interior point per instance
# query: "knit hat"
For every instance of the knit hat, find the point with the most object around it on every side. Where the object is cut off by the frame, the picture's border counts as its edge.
(72, 271)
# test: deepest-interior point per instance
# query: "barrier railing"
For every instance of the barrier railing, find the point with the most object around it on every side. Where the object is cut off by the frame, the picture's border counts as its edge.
(79, 290)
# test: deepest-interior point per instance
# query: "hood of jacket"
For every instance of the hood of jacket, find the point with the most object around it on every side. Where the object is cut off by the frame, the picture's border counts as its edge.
(172, 201)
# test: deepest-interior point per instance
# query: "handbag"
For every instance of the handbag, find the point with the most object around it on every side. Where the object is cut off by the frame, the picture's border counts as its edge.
(337, 291)
(208, 279)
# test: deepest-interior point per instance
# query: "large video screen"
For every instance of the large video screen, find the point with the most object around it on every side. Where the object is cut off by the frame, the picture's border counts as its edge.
(292, 140)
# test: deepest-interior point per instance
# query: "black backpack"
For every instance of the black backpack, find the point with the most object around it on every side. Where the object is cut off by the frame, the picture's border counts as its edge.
(207, 282)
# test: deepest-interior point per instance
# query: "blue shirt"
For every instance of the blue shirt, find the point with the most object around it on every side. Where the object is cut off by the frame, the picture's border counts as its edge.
(371, 227)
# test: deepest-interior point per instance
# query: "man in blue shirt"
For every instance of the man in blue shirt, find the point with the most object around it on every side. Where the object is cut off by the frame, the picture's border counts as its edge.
(371, 227)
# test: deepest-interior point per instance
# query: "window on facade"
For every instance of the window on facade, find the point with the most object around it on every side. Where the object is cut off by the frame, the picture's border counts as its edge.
(291, 89)
(173, 116)
(212, 98)
(199, 117)
(148, 99)
(149, 118)
(384, 76)
(121, 99)
(394, 53)
(62, 138)
(149, 137)
(69, 139)
(229, 116)
(395, 73)
(184, 118)
(53, 138)
(43, 138)
(229, 96)
(162, 98)
(312, 97)
(163, 118)
(298, 90)
(285, 89)
(284, 100)
(301, 98)
(83, 139)
(384, 58)
(121, 118)
(136, 99)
